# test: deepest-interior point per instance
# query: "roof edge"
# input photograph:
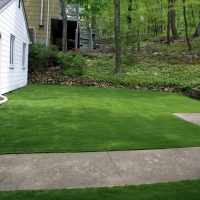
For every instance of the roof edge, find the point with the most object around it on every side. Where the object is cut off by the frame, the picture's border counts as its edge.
(6, 4)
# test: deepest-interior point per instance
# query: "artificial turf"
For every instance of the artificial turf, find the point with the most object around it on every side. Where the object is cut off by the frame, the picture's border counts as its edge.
(52, 118)
(183, 190)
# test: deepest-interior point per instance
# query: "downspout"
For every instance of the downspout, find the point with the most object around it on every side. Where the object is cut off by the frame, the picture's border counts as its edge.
(4, 99)
(41, 13)
(47, 24)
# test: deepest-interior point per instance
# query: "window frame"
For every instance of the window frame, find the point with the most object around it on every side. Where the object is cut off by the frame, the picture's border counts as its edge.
(12, 47)
(23, 55)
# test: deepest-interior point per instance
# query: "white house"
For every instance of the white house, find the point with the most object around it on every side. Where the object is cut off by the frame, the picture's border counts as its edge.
(14, 43)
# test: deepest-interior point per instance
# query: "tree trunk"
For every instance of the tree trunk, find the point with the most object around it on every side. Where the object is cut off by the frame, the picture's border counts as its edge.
(168, 24)
(64, 34)
(117, 36)
(173, 19)
(138, 31)
(129, 18)
(129, 21)
(155, 27)
(197, 32)
(138, 39)
(186, 27)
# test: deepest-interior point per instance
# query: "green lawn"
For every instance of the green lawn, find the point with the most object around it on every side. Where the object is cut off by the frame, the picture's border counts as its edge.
(51, 118)
(183, 190)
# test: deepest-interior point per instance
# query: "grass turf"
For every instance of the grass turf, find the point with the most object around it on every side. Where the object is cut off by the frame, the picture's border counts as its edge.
(51, 118)
(183, 190)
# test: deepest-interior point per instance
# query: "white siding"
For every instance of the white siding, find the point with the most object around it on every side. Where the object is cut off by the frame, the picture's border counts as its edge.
(12, 22)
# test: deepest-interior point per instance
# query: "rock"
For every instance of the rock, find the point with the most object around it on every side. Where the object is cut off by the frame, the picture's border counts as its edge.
(166, 89)
(137, 87)
(155, 54)
(46, 77)
(167, 75)
(196, 93)
(153, 68)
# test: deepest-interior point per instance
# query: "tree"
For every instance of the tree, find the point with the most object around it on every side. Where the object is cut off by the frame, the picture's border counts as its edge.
(168, 23)
(64, 34)
(138, 18)
(197, 32)
(186, 26)
(129, 17)
(117, 36)
(173, 18)
(138, 31)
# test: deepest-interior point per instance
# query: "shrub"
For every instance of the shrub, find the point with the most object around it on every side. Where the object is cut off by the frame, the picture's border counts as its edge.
(40, 56)
(72, 64)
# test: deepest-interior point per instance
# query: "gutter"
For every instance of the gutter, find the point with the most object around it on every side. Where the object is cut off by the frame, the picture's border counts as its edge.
(4, 99)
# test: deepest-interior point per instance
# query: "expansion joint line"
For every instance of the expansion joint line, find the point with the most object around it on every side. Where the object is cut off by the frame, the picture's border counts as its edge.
(20, 176)
(116, 168)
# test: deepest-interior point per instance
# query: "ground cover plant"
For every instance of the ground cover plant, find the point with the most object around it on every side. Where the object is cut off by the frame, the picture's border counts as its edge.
(155, 65)
(183, 190)
(51, 118)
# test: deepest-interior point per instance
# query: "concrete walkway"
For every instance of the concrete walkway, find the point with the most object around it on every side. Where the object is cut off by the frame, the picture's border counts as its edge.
(81, 170)
(190, 117)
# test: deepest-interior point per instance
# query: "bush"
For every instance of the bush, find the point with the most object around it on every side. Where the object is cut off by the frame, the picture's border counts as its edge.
(40, 56)
(72, 64)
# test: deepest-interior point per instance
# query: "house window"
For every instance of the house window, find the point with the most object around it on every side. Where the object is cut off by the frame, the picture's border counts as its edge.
(23, 55)
(12, 40)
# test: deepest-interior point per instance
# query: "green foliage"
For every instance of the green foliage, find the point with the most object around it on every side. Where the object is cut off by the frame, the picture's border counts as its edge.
(129, 60)
(72, 64)
(40, 56)
(144, 71)
(101, 63)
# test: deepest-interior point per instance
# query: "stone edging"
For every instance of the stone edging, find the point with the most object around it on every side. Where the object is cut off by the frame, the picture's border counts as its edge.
(53, 77)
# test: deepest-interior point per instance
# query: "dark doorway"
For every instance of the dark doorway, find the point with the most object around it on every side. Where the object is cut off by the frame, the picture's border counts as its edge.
(56, 33)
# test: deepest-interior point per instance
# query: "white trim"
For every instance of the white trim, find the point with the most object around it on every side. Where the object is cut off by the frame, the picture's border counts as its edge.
(12, 52)
(4, 99)
(7, 5)
(23, 55)
(0, 59)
